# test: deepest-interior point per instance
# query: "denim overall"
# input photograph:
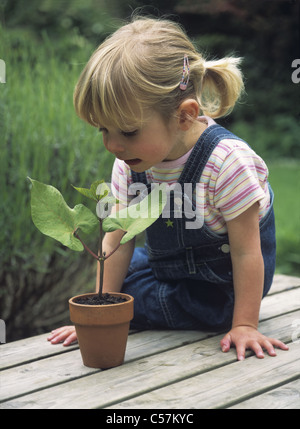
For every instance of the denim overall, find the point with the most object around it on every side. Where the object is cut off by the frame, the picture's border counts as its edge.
(182, 279)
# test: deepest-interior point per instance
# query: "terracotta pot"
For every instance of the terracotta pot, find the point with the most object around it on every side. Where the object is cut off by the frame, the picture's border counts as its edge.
(102, 330)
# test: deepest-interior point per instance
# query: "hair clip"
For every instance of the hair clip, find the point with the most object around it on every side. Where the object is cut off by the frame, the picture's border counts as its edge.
(185, 74)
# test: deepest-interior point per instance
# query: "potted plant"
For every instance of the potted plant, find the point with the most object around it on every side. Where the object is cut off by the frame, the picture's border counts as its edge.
(101, 320)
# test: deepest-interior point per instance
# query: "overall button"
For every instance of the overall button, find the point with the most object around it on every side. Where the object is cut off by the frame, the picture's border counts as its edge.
(225, 248)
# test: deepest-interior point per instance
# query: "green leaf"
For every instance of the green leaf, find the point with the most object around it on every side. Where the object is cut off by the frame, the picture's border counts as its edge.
(86, 192)
(100, 186)
(53, 217)
(92, 192)
(138, 217)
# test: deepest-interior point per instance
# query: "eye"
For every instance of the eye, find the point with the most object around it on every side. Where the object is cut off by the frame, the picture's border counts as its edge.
(129, 133)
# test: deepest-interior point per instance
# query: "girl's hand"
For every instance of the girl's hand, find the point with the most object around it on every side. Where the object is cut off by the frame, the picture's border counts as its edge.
(66, 334)
(246, 337)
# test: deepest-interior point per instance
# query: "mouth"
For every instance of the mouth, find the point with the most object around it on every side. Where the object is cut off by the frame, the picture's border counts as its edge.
(131, 162)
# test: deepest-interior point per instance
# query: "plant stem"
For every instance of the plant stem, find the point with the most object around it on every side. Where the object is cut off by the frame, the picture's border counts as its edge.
(101, 258)
(86, 247)
(113, 251)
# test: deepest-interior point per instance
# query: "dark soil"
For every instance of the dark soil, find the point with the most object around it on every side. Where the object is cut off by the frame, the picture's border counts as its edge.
(105, 299)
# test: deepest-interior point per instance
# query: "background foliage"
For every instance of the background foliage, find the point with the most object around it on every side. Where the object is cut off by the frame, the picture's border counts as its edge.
(45, 45)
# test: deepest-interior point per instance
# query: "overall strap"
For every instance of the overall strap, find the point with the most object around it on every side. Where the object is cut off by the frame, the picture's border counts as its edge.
(139, 177)
(201, 152)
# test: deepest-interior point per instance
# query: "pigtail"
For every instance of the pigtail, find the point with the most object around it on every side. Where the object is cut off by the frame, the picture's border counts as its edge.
(222, 85)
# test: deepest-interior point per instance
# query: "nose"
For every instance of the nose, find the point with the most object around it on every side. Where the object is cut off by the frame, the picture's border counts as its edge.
(113, 145)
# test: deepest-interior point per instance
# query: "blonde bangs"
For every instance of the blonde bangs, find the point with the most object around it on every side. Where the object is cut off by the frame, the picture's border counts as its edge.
(103, 101)
(125, 78)
(104, 95)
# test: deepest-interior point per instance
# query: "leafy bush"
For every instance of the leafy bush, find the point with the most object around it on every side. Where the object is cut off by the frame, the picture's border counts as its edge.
(267, 116)
(61, 19)
(271, 139)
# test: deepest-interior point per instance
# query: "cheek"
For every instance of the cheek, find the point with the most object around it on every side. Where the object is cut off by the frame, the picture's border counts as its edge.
(149, 150)
(104, 141)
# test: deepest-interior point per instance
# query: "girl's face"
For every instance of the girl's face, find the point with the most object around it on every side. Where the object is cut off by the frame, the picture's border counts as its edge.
(142, 148)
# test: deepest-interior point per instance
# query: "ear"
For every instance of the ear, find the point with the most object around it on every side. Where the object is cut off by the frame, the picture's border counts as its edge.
(187, 113)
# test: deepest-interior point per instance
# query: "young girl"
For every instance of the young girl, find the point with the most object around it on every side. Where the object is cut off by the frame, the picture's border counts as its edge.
(155, 98)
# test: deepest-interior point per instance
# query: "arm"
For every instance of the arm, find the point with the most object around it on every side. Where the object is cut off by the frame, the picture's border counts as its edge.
(248, 278)
(248, 267)
(120, 259)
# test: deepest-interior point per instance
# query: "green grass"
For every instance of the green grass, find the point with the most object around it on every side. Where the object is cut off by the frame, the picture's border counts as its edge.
(41, 136)
(285, 181)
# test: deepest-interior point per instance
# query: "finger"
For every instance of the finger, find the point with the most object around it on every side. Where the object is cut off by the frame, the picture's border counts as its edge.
(58, 331)
(53, 334)
(240, 351)
(279, 344)
(257, 350)
(268, 346)
(58, 338)
(71, 339)
(62, 336)
(225, 343)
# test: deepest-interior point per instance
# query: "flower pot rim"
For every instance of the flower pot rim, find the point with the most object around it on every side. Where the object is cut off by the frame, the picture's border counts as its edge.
(125, 295)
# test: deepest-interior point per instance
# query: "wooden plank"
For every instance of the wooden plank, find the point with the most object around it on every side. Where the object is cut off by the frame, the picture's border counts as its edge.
(46, 372)
(147, 343)
(282, 282)
(32, 348)
(224, 386)
(280, 303)
(29, 349)
(141, 344)
(143, 375)
(60, 368)
(284, 397)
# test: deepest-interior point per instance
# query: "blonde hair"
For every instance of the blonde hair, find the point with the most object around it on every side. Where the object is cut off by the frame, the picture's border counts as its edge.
(138, 69)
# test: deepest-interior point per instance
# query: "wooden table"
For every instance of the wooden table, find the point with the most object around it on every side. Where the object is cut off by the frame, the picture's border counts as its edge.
(163, 370)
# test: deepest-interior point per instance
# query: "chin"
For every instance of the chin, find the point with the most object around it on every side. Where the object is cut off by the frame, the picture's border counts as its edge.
(138, 168)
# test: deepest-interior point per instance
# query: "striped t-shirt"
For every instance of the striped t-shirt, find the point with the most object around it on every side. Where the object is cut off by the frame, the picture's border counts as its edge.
(234, 178)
